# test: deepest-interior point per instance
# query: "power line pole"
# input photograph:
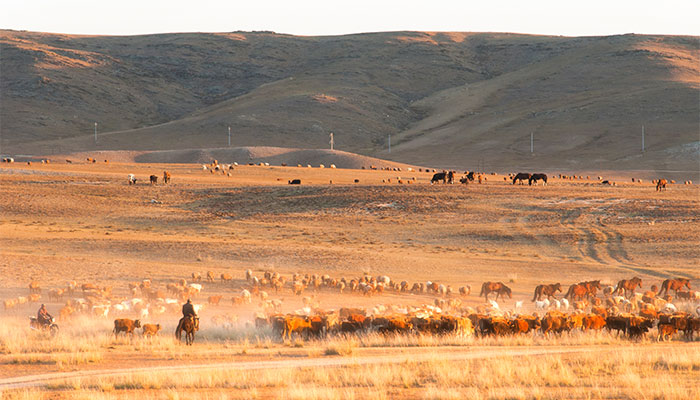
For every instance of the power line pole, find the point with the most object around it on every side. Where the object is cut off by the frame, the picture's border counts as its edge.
(331, 135)
(532, 142)
(95, 132)
(390, 143)
(229, 136)
(642, 138)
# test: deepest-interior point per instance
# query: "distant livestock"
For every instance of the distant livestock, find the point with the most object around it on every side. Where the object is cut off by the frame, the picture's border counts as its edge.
(132, 179)
(661, 184)
(537, 177)
(166, 177)
(154, 179)
(295, 182)
(521, 177)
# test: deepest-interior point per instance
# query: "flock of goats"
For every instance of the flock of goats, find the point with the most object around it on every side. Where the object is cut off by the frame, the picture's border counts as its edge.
(616, 308)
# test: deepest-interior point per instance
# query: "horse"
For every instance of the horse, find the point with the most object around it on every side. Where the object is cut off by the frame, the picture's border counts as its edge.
(674, 284)
(189, 325)
(628, 285)
(166, 177)
(537, 177)
(546, 290)
(521, 176)
(582, 289)
(661, 184)
(498, 287)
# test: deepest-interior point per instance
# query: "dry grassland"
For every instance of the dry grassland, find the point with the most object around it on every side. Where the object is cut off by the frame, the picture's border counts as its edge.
(83, 222)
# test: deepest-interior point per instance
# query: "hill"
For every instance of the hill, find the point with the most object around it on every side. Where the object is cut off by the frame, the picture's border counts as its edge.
(242, 155)
(467, 100)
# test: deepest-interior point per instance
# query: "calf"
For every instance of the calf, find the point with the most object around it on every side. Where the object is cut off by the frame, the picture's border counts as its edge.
(125, 325)
(150, 330)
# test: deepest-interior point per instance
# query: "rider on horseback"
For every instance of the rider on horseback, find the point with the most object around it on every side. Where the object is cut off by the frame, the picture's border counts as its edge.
(188, 311)
(43, 316)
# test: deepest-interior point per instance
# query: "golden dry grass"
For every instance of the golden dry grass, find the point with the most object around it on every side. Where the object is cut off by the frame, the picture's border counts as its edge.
(83, 222)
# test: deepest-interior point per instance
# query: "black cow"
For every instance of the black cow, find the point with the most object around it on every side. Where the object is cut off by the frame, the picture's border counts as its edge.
(537, 177)
(295, 182)
(440, 176)
(521, 176)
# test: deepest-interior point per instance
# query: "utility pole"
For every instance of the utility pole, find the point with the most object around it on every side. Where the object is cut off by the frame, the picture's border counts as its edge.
(642, 138)
(95, 132)
(390, 143)
(229, 136)
(331, 141)
(532, 142)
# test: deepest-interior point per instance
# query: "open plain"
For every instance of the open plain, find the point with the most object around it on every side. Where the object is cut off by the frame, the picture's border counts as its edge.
(80, 223)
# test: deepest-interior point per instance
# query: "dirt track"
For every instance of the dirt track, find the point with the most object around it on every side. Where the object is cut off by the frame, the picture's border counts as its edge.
(413, 355)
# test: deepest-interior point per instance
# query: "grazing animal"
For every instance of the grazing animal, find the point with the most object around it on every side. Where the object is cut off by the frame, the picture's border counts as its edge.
(214, 300)
(226, 277)
(498, 287)
(537, 177)
(521, 177)
(166, 177)
(150, 329)
(440, 176)
(625, 286)
(125, 325)
(295, 182)
(674, 284)
(661, 184)
(154, 179)
(546, 290)
(132, 179)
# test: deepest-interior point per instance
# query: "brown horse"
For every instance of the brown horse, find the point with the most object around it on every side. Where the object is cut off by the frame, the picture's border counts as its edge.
(674, 284)
(546, 290)
(189, 325)
(498, 287)
(628, 285)
(579, 291)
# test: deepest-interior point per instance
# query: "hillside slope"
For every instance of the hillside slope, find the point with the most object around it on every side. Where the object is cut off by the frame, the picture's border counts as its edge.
(448, 99)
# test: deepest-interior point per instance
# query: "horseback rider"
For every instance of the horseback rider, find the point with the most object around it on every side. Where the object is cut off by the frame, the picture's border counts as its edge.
(43, 316)
(187, 311)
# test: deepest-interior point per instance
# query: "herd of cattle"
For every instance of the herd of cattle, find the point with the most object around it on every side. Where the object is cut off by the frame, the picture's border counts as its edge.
(585, 306)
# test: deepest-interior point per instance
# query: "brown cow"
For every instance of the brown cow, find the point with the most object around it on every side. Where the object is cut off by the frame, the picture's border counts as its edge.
(34, 287)
(214, 300)
(166, 177)
(666, 331)
(154, 179)
(150, 330)
(226, 277)
(674, 284)
(125, 325)
(661, 184)
(593, 321)
(295, 324)
(555, 322)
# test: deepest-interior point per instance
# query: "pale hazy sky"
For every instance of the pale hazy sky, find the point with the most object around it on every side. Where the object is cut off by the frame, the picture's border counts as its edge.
(319, 17)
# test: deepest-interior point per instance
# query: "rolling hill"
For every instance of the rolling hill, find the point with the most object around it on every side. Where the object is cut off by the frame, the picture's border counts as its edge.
(467, 100)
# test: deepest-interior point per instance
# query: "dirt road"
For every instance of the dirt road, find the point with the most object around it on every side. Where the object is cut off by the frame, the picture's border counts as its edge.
(412, 355)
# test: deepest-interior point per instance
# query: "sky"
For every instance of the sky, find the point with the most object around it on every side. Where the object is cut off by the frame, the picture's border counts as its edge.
(314, 17)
